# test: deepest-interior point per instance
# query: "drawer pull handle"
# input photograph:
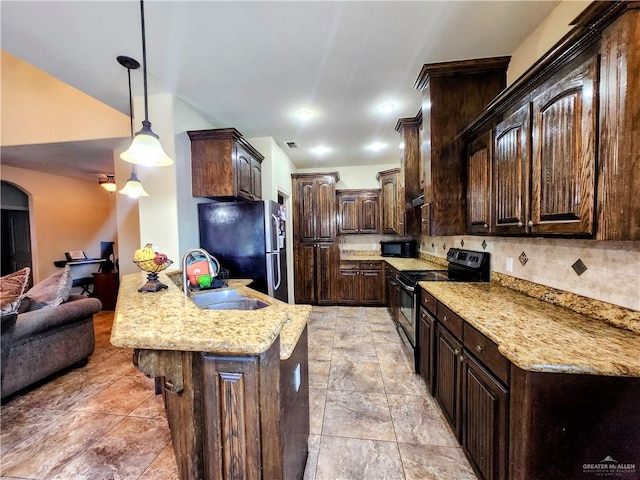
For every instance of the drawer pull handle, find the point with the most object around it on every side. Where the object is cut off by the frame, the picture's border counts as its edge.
(479, 348)
(456, 352)
(445, 318)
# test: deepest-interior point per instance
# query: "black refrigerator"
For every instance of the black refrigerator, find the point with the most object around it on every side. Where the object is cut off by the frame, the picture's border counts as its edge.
(248, 239)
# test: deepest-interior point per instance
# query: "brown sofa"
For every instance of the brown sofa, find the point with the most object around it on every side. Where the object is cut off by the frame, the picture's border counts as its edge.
(45, 341)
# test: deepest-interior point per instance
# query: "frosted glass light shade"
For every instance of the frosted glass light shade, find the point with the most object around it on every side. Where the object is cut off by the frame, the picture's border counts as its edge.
(133, 188)
(146, 149)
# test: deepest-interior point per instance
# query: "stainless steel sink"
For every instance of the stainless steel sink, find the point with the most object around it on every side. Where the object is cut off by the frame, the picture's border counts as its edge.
(227, 300)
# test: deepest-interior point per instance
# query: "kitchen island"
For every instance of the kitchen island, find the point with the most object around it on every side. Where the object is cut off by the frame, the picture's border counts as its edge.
(534, 390)
(235, 382)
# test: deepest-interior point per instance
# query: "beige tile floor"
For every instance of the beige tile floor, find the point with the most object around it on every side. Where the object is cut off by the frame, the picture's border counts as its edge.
(371, 417)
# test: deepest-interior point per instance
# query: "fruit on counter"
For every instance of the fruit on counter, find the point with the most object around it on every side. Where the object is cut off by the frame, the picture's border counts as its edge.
(144, 253)
(160, 259)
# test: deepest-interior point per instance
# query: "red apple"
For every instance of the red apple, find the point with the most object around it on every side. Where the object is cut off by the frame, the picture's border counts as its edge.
(160, 259)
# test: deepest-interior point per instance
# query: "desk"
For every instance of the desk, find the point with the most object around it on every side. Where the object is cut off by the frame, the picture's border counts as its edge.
(81, 272)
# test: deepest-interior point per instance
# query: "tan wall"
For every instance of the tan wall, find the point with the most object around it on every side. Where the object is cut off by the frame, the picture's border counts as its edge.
(38, 108)
(361, 176)
(552, 29)
(66, 214)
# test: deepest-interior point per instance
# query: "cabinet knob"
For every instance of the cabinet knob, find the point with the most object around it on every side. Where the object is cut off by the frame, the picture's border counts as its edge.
(479, 348)
(456, 352)
(485, 225)
(445, 318)
(530, 223)
(520, 224)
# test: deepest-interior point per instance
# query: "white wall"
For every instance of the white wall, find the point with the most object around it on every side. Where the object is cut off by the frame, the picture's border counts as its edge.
(359, 176)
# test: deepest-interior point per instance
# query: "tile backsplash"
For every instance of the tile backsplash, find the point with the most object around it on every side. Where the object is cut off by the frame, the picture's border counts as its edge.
(609, 271)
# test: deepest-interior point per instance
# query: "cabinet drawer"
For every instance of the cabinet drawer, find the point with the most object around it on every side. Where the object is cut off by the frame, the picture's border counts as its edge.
(450, 320)
(487, 352)
(429, 301)
(368, 265)
(349, 265)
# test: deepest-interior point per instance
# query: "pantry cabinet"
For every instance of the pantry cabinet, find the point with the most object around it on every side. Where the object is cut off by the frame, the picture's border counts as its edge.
(358, 211)
(314, 233)
(224, 166)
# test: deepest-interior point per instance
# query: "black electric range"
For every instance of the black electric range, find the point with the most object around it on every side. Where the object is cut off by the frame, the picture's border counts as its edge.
(462, 266)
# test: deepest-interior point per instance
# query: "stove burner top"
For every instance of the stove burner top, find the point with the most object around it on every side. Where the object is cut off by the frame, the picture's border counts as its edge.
(463, 266)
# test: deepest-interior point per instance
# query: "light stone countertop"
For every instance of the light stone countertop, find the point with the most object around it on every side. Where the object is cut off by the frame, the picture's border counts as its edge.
(168, 320)
(537, 336)
(398, 263)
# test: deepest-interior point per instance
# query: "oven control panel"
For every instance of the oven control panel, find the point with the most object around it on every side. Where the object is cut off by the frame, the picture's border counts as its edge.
(467, 258)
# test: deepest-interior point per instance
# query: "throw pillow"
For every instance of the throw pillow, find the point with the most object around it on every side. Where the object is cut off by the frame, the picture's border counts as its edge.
(12, 288)
(52, 291)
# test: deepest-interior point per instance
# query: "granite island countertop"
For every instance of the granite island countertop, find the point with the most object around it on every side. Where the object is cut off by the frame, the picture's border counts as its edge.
(169, 320)
(537, 336)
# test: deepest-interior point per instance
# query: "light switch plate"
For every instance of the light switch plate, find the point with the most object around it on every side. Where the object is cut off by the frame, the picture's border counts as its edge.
(509, 265)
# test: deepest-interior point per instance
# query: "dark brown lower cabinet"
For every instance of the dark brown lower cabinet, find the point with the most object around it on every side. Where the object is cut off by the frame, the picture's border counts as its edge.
(485, 415)
(361, 283)
(235, 417)
(448, 377)
(427, 346)
(314, 273)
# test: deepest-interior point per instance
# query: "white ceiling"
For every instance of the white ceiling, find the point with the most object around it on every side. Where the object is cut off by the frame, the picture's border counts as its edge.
(254, 65)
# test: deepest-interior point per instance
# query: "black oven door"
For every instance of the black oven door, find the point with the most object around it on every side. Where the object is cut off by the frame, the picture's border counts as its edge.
(406, 317)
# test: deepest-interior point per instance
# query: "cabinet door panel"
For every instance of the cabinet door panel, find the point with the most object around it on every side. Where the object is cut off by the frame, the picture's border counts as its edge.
(347, 214)
(563, 178)
(511, 172)
(326, 260)
(427, 343)
(256, 179)
(479, 185)
(349, 287)
(448, 377)
(372, 287)
(326, 208)
(390, 205)
(243, 164)
(369, 214)
(307, 211)
(305, 274)
(485, 407)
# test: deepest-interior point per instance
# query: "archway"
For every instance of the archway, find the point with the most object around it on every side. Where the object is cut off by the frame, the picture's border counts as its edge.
(14, 223)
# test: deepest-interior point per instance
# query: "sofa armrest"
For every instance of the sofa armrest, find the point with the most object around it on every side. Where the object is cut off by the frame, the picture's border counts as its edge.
(47, 318)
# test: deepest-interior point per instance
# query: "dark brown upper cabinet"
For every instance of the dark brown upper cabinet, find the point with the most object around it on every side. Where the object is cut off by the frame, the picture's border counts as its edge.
(453, 93)
(315, 207)
(479, 204)
(411, 179)
(393, 207)
(358, 211)
(224, 166)
(565, 158)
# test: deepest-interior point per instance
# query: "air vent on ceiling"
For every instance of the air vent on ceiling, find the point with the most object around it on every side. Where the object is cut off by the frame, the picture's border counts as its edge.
(291, 144)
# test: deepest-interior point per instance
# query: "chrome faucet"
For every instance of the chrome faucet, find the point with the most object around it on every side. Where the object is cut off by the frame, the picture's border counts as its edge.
(210, 258)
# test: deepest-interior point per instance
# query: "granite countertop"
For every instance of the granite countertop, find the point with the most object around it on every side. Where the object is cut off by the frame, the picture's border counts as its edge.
(168, 320)
(537, 336)
(398, 263)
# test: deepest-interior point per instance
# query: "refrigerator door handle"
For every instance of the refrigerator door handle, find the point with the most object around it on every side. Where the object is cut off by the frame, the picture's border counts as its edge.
(276, 269)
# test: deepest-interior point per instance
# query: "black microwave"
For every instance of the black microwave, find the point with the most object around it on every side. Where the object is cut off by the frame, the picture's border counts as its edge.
(399, 248)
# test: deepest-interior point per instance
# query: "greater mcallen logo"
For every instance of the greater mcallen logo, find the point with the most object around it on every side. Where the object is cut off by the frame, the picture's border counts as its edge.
(609, 468)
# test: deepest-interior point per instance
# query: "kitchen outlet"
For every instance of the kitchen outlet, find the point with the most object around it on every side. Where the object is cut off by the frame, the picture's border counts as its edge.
(509, 264)
(296, 377)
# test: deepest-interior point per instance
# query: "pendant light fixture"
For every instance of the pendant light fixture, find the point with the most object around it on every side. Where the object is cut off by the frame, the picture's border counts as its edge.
(109, 183)
(145, 148)
(133, 187)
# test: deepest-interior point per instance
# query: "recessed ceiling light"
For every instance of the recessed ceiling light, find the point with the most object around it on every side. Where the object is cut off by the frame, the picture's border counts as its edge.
(304, 115)
(377, 146)
(387, 107)
(321, 150)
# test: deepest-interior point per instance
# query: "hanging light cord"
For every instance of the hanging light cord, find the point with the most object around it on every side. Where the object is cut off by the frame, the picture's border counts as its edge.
(144, 66)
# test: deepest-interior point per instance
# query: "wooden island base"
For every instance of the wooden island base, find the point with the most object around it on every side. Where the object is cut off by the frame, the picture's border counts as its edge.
(235, 417)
